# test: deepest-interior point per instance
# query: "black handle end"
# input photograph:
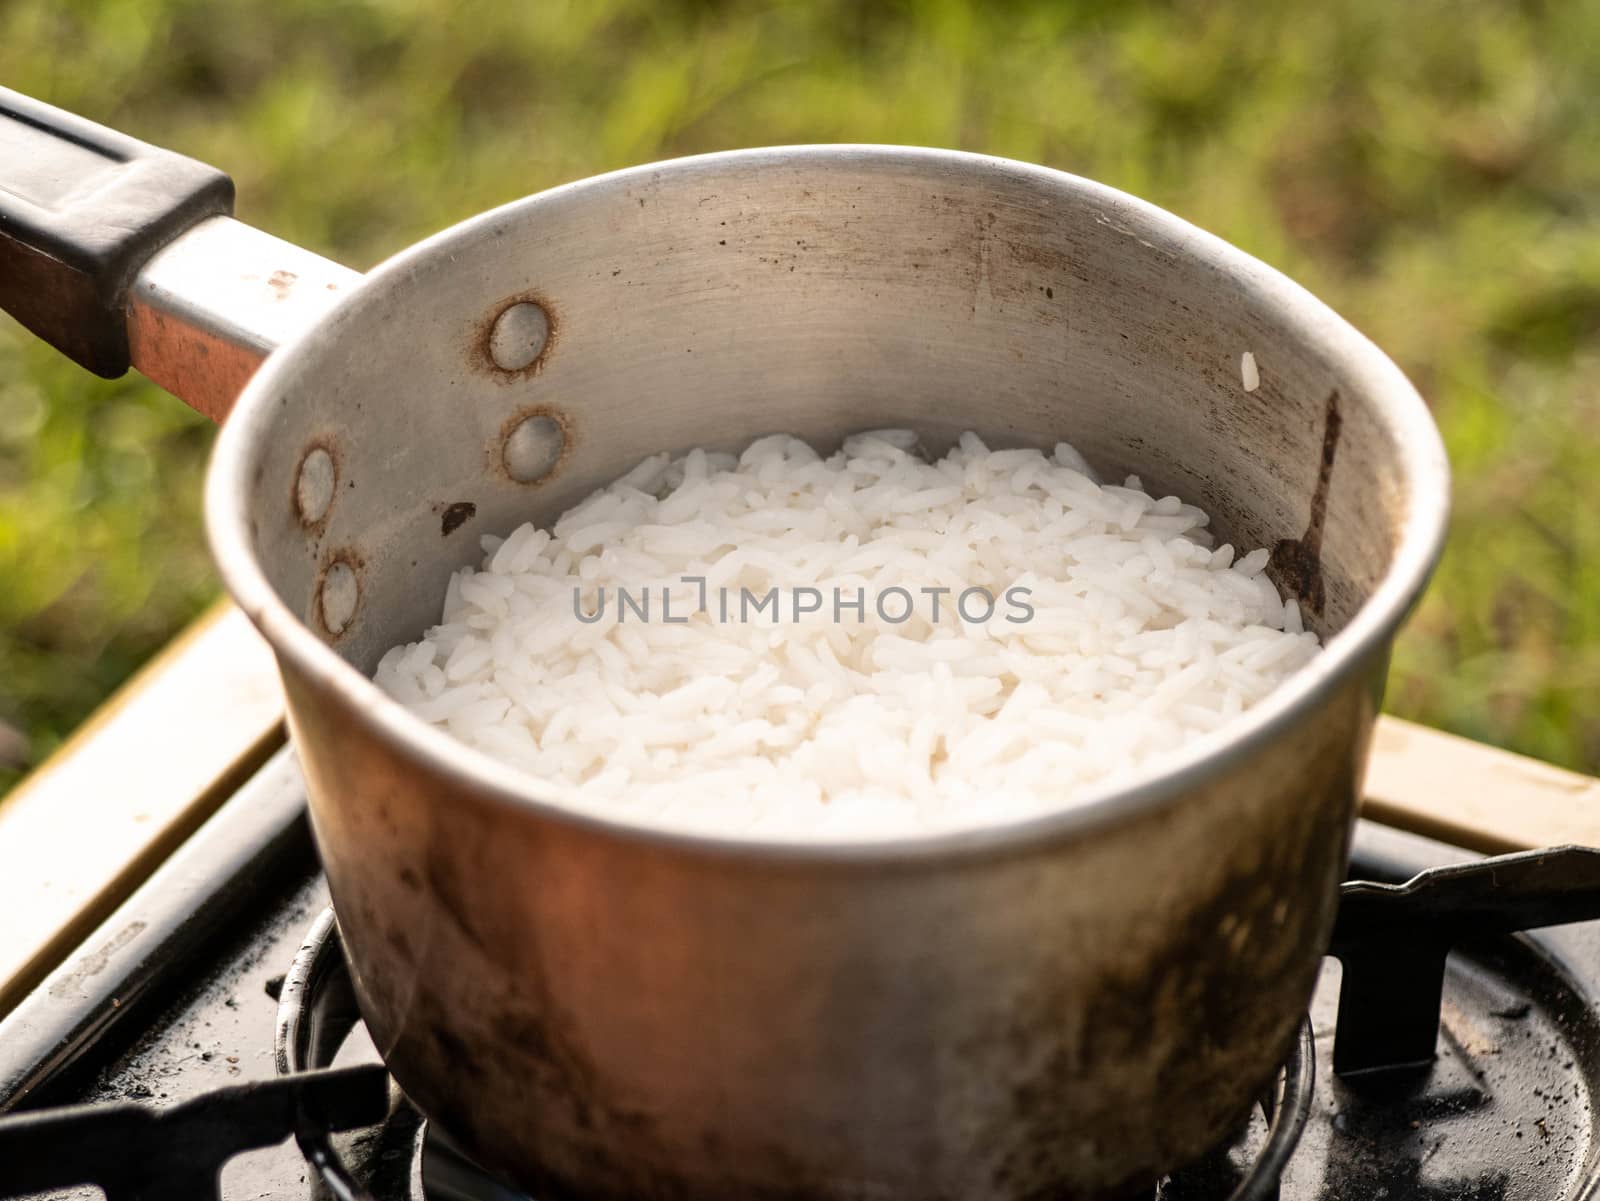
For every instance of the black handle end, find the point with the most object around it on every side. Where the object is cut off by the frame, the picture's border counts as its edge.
(82, 209)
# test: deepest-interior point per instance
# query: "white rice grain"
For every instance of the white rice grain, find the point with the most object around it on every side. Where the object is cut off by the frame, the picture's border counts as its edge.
(845, 723)
(1249, 374)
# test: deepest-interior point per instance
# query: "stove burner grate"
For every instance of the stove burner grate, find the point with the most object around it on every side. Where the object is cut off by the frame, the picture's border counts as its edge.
(135, 1153)
(1393, 940)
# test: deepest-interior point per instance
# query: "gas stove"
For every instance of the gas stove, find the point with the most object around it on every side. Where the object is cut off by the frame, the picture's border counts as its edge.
(204, 1041)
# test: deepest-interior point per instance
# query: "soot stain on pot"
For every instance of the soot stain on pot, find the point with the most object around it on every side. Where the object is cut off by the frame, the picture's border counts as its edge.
(480, 356)
(524, 1033)
(401, 945)
(1160, 983)
(1296, 564)
(1170, 981)
(456, 1053)
(550, 1055)
(531, 1039)
(446, 886)
(453, 517)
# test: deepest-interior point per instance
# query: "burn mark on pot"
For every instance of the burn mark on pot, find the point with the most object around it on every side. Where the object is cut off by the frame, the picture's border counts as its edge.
(281, 282)
(401, 945)
(1296, 564)
(455, 516)
(1216, 983)
(550, 1055)
(481, 343)
(535, 1039)
(455, 1053)
(445, 884)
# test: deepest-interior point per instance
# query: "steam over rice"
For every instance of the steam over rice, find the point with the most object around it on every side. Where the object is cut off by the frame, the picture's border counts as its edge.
(1116, 635)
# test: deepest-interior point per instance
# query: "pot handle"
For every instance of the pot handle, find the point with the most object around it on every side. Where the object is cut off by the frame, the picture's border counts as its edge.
(82, 209)
(121, 254)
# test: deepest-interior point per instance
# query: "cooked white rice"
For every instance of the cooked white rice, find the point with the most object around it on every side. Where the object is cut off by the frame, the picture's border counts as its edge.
(1249, 373)
(1142, 637)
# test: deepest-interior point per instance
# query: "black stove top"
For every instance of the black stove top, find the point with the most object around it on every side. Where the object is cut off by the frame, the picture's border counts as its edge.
(1467, 1055)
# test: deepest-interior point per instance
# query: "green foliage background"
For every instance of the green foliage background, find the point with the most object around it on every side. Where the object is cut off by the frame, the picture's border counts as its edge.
(1430, 168)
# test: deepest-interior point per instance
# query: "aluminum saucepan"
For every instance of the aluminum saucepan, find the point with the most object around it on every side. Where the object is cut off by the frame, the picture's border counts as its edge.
(1065, 1005)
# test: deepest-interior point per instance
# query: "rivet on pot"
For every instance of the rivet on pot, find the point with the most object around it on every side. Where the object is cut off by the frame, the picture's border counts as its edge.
(533, 448)
(313, 487)
(340, 594)
(519, 336)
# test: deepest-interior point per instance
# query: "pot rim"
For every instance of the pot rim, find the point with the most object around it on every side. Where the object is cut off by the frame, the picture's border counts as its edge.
(1420, 538)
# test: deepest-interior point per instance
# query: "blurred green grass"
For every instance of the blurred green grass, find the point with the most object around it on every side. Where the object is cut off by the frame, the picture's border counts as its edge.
(1432, 169)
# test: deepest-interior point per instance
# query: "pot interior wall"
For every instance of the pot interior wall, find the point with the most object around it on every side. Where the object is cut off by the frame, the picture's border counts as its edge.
(816, 292)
